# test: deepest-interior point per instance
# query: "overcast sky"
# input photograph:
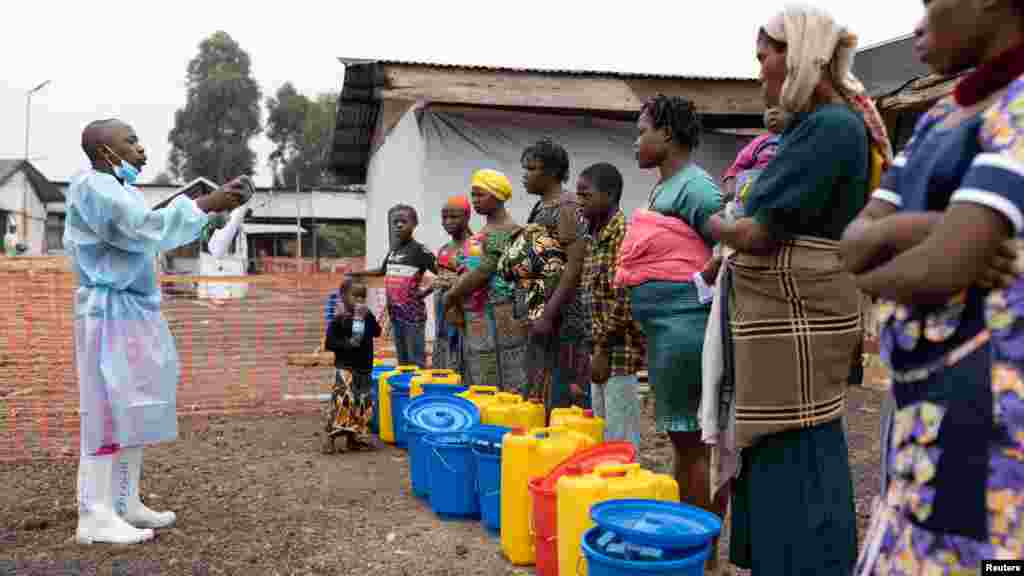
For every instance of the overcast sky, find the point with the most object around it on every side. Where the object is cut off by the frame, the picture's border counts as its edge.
(128, 59)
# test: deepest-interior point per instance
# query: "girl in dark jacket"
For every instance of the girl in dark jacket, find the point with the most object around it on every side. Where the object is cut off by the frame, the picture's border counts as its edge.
(350, 336)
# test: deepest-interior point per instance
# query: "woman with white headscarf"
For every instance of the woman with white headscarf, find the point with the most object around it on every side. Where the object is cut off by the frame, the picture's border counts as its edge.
(791, 313)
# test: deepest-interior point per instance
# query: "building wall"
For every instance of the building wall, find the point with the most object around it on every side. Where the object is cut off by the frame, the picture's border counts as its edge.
(395, 175)
(455, 144)
(431, 154)
(31, 222)
(326, 205)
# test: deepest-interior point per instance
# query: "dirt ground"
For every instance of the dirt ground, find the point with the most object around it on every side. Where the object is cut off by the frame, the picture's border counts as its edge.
(256, 496)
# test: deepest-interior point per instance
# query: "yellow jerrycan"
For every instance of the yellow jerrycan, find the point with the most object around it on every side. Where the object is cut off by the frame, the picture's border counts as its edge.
(512, 411)
(386, 422)
(578, 492)
(580, 420)
(501, 411)
(526, 455)
(439, 376)
(482, 396)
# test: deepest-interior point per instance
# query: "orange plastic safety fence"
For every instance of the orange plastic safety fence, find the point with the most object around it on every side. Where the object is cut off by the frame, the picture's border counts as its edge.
(233, 352)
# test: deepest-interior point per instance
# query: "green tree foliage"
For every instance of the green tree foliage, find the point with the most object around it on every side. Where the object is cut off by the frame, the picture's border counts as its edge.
(302, 130)
(211, 133)
(348, 240)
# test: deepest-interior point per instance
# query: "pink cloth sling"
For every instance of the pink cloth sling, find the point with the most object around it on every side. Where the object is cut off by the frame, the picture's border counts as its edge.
(659, 248)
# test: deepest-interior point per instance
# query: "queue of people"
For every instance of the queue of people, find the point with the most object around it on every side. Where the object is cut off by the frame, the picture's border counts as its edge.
(745, 307)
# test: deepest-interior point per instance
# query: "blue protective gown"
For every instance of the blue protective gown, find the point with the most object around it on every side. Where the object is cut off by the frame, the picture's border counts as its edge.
(125, 355)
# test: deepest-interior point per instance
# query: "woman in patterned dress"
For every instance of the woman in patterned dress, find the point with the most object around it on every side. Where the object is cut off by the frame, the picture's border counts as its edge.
(546, 261)
(932, 242)
(494, 339)
(447, 339)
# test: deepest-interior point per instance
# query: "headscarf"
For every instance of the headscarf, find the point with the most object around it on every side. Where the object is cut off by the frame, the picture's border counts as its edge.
(815, 42)
(459, 203)
(494, 182)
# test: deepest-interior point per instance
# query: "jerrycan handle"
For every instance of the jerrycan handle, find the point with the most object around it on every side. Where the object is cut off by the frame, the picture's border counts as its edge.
(508, 398)
(617, 470)
(549, 431)
(483, 390)
(434, 373)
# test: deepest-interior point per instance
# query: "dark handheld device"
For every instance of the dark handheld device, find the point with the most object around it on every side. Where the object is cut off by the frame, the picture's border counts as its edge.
(248, 189)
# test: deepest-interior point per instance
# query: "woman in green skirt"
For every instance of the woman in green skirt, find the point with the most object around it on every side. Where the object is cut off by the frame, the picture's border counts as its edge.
(661, 260)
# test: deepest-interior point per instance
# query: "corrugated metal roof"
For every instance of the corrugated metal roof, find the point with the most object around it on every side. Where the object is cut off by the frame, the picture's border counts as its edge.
(547, 71)
(884, 43)
(887, 66)
(47, 191)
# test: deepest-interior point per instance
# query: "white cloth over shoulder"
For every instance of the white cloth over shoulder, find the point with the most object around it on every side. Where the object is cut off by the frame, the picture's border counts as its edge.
(721, 435)
(125, 355)
(221, 239)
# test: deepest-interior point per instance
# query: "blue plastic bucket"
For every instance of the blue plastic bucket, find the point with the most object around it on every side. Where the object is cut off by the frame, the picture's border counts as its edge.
(419, 464)
(375, 379)
(449, 389)
(601, 564)
(452, 475)
(433, 414)
(400, 387)
(487, 458)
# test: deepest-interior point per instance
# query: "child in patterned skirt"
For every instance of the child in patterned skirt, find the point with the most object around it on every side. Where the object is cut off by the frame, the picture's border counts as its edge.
(350, 336)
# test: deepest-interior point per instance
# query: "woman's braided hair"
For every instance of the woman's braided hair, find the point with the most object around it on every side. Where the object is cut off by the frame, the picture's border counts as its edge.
(678, 115)
(552, 157)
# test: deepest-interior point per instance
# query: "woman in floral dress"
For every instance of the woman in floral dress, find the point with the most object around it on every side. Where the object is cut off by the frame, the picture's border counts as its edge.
(931, 244)
(447, 339)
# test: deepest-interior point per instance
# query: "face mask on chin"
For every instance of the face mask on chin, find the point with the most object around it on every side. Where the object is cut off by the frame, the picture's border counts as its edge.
(124, 171)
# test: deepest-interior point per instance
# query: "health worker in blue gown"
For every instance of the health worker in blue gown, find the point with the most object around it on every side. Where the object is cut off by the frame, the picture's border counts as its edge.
(126, 359)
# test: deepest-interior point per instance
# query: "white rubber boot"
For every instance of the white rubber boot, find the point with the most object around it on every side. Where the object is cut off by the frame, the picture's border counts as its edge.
(126, 490)
(97, 520)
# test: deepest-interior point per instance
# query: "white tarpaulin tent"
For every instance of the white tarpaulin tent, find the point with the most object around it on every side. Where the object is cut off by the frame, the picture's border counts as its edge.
(433, 151)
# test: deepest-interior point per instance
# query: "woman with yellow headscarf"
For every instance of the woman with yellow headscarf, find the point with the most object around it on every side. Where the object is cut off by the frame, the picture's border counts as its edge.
(494, 340)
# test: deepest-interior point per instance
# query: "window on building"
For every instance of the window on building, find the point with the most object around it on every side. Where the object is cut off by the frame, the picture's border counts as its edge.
(54, 232)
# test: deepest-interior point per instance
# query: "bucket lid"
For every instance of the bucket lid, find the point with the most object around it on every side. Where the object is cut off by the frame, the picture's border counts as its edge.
(584, 462)
(448, 439)
(442, 413)
(666, 525)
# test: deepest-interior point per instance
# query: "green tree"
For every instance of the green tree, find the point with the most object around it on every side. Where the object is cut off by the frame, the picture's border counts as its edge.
(211, 133)
(302, 130)
(348, 240)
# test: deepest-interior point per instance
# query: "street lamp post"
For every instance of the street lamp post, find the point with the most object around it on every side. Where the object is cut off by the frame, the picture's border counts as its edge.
(28, 123)
(28, 112)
